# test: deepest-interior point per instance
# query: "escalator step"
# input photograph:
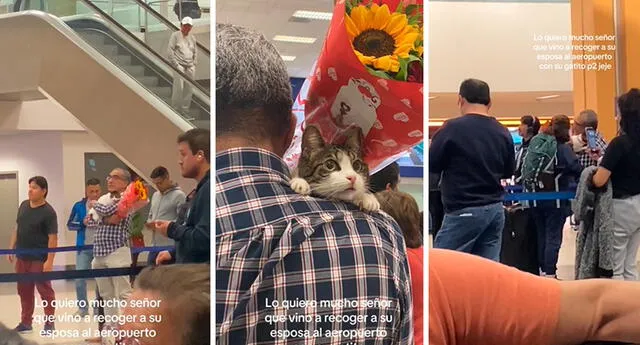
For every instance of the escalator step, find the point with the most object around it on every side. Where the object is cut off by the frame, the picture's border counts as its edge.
(108, 49)
(134, 70)
(121, 60)
(162, 92)
(148, 81)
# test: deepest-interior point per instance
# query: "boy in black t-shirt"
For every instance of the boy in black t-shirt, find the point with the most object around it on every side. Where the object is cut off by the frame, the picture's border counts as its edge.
(37, 228)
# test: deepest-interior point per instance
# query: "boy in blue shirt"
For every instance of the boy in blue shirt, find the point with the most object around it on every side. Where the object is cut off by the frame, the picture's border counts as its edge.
(84, 237)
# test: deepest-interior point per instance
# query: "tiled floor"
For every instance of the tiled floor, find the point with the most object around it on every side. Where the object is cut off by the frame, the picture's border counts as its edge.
(10, 314)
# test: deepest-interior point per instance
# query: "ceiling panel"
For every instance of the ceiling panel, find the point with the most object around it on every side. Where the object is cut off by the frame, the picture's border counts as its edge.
(271, 17)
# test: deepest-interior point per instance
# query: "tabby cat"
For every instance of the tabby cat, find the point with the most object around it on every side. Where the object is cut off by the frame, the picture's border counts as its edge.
(334, 171)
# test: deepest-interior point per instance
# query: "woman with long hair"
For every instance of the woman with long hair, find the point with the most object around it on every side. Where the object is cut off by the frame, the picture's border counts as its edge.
(621, 165)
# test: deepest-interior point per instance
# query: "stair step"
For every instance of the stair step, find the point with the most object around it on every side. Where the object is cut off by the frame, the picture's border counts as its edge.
(93, 38)
(202, 123)
(162, 92)
(135, 71)
(148, 81)
(108, 49)
(121, 60)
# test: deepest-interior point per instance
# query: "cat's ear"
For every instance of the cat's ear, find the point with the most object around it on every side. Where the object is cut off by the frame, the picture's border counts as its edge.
(354, 140)
(312, 139)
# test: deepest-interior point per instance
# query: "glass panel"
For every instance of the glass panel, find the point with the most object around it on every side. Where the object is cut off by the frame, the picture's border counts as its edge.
(126, 44)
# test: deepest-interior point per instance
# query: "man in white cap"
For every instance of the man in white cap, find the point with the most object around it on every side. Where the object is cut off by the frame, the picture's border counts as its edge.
(183, 55)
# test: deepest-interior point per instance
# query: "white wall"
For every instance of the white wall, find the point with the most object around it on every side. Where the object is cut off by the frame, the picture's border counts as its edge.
(74, 145)
(493, 42)
(58, 156)
(32, 154)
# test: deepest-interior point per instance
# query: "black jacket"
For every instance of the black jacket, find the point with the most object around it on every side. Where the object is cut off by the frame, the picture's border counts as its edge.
(193, 237)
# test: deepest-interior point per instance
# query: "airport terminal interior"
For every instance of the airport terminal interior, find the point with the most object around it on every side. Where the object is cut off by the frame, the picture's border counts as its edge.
(55, 121)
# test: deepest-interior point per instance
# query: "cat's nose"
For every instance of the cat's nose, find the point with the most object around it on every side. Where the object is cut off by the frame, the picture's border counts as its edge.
(352, 179)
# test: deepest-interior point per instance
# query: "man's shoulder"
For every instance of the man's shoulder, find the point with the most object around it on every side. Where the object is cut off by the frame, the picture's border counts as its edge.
(49, 208)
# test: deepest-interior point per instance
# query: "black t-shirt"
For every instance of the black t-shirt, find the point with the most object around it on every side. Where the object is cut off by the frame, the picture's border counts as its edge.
(622, 158)
(34, 227)
(473, 153)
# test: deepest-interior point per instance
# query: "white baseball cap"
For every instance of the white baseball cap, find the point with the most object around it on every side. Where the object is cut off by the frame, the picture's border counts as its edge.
(187, 21)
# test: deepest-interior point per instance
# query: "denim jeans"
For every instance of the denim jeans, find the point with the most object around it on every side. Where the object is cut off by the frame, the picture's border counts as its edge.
(475, 230)
(83, 262)
(549, 225)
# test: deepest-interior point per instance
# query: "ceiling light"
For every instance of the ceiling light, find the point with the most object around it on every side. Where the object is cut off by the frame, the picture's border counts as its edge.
(288, 57)
(542, 98)
(295, 39)
(313, 15)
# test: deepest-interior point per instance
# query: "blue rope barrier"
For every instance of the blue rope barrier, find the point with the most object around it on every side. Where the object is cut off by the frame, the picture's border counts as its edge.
(540, 196)
(67, 275)
(23, 251)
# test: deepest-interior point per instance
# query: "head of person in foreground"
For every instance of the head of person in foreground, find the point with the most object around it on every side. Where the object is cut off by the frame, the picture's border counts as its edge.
(178, 297)
(403, 208)
(253, 92)
(11, 337)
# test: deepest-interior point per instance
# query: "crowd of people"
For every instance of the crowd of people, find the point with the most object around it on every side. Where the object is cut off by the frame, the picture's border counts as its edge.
(473, 155)
(175, 220)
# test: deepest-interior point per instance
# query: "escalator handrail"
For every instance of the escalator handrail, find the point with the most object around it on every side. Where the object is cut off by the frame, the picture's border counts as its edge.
(153, 52)
(160, 75)
(60, 26)
(167, 22)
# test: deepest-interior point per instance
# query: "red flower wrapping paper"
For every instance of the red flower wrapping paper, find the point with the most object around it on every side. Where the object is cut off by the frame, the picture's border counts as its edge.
(342, 93)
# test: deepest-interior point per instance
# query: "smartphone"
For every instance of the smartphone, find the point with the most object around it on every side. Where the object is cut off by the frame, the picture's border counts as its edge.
(591, 138)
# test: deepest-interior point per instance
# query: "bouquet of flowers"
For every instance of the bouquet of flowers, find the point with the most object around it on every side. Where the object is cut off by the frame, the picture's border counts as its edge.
(369, 75)
(134, 198)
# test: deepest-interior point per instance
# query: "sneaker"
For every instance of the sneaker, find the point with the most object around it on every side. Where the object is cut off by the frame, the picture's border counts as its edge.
(81, 313)
(23, 329)
(49, 327)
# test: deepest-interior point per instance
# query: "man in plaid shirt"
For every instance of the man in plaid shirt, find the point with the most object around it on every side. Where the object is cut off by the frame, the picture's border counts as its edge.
(291, 269)
(110, 248)
(587, 119)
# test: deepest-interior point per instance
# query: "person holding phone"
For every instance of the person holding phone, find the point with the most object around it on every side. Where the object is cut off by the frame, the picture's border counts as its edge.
(588, 144)
(165, 205)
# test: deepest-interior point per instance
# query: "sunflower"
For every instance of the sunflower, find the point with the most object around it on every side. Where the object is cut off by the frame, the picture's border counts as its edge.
(379, 37)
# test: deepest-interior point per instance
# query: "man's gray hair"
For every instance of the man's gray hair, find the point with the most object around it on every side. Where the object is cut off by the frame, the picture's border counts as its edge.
(253, 90)
(589, 118)
(125, 173)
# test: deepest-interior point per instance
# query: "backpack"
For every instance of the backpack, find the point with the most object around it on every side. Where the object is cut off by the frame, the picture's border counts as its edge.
(538, 167)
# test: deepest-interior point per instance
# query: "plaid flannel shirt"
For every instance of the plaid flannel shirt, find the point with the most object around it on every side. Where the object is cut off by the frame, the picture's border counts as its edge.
(585, 158)
(273, 244)
(109, 238)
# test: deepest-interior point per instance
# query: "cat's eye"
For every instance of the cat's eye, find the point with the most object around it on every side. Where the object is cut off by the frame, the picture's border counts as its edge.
(357, 166)
(331, 165)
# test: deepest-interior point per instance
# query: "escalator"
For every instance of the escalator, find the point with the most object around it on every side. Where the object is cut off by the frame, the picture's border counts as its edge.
(106, 76)
(122, 52)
